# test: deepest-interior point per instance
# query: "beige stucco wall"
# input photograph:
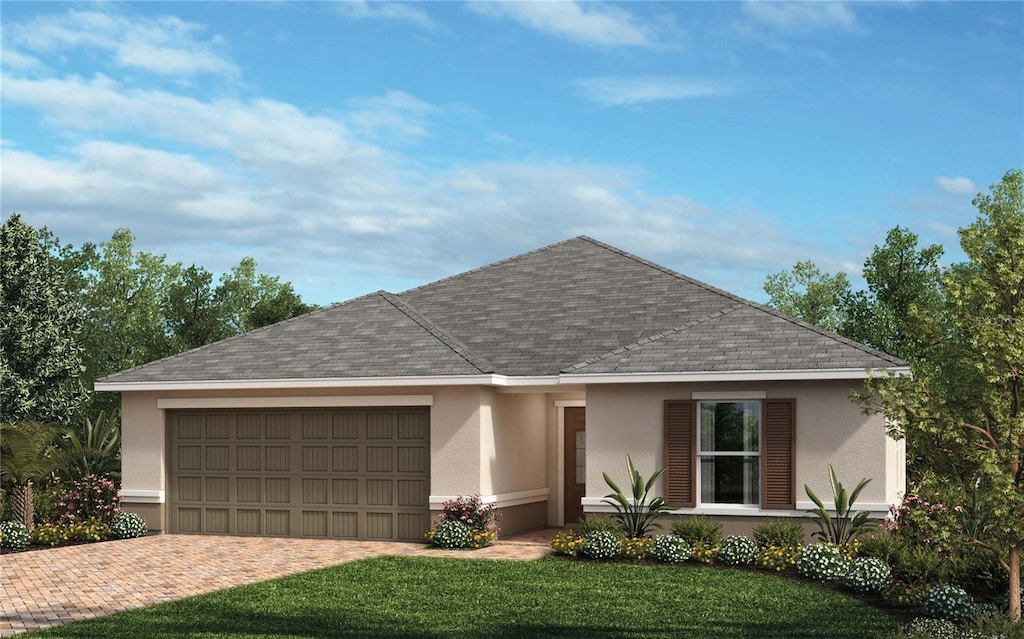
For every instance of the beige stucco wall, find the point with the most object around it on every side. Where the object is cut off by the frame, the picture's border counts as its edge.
(830, 429)
(481, 441)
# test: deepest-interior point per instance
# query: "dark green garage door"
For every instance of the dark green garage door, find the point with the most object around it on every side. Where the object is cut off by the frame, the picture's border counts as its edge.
(335, 473)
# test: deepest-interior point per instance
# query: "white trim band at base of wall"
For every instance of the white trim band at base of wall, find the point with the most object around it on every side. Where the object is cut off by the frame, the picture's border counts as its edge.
(504, 500)
(141, 496)
(599, 505)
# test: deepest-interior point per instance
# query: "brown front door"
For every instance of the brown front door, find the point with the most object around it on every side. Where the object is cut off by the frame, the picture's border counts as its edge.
(575, 462)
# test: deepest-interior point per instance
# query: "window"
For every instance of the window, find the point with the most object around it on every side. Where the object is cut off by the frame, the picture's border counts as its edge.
(729, 452)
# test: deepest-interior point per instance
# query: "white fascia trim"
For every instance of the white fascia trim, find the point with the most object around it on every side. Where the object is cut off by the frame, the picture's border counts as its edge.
(331, 382)
(729, 395)
(599, 505)
(130, 496)
(726, 376)
(503, 500)
(290, 401)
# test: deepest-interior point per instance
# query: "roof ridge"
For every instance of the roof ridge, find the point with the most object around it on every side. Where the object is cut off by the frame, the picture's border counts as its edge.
(497, 263)
(643, 341)
(761, 307)
(480, 363)
(322, 309)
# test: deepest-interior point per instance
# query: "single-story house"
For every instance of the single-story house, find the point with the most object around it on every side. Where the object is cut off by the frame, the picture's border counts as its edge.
(521, 381)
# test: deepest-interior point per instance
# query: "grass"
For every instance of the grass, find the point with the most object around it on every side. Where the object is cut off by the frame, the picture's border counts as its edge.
(391, 597)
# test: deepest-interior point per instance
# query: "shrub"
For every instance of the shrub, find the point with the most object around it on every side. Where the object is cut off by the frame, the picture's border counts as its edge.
(867, 574)
(923, 565)
(92, 497)
(925, 628)
(670, 549)
(882, 544)
(44, 502)
(477, 518)
(823, 562)
(637, 513)
(900, 594)
(601, 545)
(470, 511)
(698, 529)
(128, 525)
(79, 531)
(737, 550)
(452, 534)
(14, 535)
(637, 548)
(779, 533)
(777, 558)
(593, 523)
(947, 601)
(847, 524)
(703, 552)
(567, 542)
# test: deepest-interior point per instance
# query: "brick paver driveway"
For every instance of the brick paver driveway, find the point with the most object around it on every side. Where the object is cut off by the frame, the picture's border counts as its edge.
(49, 587)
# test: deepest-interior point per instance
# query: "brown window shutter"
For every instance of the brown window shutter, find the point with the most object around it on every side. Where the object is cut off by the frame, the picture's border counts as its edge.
(778, 455)
(680, 453)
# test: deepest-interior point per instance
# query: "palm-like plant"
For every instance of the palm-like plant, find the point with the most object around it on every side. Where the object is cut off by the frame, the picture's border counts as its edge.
(637, 515)
(27, 456)
(843, 528)
(94, 448)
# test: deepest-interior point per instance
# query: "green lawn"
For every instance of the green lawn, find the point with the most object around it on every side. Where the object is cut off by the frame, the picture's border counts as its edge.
(423, 597)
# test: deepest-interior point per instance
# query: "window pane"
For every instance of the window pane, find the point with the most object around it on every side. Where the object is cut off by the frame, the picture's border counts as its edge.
(730, 426)
(730, 480)
(581, 474)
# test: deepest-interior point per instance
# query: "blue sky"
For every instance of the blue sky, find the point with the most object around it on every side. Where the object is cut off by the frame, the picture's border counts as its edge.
(355, 146)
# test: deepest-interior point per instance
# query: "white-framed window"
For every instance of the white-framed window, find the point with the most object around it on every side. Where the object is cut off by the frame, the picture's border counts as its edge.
(729, 452)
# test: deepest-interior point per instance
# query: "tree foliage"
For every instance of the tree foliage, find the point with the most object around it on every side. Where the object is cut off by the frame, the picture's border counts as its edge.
(966, 394)
(40, 327)
(27, 457)
(809, 294)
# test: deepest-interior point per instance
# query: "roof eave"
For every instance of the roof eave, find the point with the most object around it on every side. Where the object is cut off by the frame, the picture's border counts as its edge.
(727, 376)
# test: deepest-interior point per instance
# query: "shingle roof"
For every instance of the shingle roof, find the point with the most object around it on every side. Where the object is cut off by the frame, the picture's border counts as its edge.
(578, 306)
(370, 336)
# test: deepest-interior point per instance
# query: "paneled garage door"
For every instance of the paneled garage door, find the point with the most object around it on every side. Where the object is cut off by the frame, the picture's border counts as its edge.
(335, 473)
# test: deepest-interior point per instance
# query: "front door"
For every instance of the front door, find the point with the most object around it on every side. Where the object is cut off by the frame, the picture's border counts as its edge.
(575, 462)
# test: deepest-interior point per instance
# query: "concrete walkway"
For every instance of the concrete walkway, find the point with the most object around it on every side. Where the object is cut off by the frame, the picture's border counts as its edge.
(46, 588)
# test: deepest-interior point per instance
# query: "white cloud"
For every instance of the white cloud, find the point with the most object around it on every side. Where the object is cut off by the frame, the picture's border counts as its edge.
(801, 17)
(395, 112)
(380, 10)
(612, 91)
(956, 185)
(164, 45)
(591, 23)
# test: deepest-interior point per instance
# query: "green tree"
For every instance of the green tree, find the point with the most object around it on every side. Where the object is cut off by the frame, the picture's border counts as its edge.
(810, 295)
(192, 314)
(249, 300)
(122, 295)
(27, 456)
(40, 356)
(967, 395)
(904, 288)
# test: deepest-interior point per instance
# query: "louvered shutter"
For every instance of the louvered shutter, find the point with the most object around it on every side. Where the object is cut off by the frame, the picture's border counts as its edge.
(680, 453)
(778, 455)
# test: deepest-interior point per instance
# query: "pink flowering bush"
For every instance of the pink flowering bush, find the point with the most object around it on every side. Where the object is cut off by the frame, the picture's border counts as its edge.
(478, 517)
(91, 497)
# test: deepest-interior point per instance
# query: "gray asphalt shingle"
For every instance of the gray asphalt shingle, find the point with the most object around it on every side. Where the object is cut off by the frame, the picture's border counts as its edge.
(578, 306)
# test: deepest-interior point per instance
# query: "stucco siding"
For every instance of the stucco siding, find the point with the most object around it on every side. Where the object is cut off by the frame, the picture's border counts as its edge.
(830, 429)
(516, 459)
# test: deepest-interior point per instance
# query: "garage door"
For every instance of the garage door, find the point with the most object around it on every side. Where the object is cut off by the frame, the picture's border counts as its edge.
(345, 473)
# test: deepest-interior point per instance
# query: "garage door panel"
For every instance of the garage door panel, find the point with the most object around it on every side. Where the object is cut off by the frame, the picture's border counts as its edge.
(345, 473)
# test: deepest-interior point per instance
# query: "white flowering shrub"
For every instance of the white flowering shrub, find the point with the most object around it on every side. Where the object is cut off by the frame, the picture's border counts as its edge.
(14, 535)
(822, 562)
(950, 602)
(737, 550)
(867, 574)
(452, 534)
(601, 545)
(128, 526)
(671, 549)
(925, 628)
